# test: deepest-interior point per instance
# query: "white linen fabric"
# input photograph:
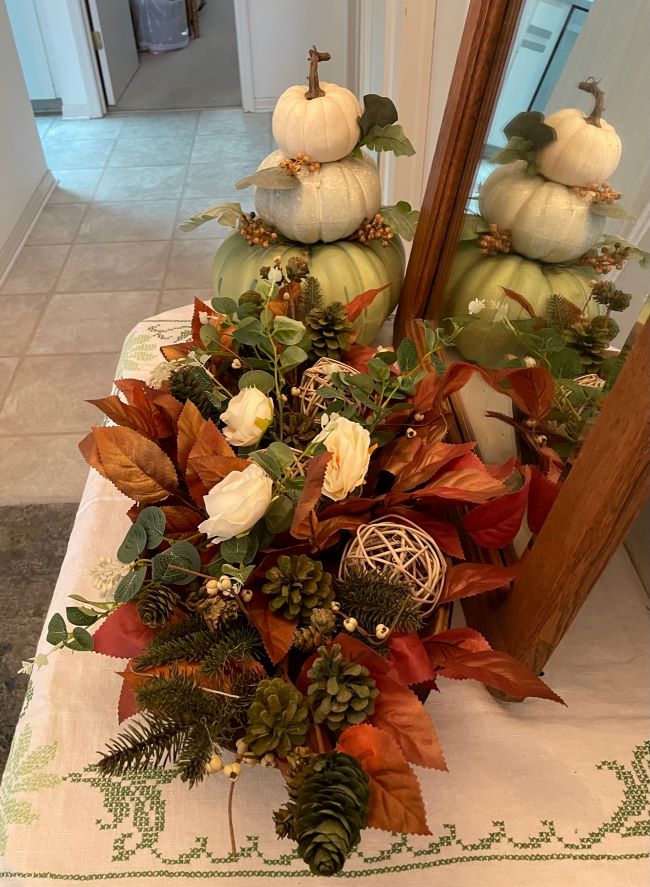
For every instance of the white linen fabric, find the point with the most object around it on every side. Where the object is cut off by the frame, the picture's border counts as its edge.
(536, 793)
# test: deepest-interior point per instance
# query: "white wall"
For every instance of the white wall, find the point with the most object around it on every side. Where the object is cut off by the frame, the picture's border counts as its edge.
(22, 164)
(31, 49)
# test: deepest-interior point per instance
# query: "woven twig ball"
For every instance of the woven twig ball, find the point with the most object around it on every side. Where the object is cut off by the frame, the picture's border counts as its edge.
(401, 549)
(590, 380)
(317, 376)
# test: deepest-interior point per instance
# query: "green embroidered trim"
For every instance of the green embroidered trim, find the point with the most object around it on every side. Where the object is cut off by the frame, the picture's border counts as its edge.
(23, 773)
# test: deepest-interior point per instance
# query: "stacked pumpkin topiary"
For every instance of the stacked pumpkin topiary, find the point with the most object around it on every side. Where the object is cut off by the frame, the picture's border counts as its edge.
(542, 221)
(319, 197)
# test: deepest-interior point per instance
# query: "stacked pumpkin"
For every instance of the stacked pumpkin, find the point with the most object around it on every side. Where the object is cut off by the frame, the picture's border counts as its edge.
(540, 214)
(319, 197)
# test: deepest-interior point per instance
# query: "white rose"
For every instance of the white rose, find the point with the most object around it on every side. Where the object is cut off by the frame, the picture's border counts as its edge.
(349, 444)
(248, 416)
(236, 503)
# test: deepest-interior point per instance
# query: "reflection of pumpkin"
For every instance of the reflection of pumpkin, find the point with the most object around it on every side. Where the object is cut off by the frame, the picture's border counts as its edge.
(475, 276)
(325, 128)
(343, 269)
(330, 203)
(546, 221)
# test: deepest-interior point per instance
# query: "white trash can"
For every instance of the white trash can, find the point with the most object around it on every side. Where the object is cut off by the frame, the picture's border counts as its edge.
(160, 25)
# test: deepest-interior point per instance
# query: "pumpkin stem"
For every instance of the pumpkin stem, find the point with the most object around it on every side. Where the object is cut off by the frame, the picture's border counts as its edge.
(314, 91)
(590, 85)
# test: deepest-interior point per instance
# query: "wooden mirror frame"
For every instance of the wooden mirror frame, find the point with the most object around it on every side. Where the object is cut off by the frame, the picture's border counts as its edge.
(610, 480)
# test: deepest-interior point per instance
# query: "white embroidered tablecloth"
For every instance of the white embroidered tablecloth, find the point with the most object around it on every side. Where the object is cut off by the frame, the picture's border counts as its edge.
(536, 793)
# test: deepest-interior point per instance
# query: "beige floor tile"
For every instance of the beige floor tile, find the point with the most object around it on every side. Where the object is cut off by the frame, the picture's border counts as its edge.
(179, 298)
(233, 120)
(35, 270)
(190, 264)
(161, 151)
(90, 322)
(41, 469)
(7, 367)
(75, 185)
(226, 147)
(141, 183)
(19, 318)
(58, 223)
(160, 124)
(211, 230)
(106, 267)
(72, 130)
(86, 154)
(204, 179)
(128, 220)
(48, 394)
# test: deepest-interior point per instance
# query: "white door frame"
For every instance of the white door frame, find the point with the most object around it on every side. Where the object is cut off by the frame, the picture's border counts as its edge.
(88, 58)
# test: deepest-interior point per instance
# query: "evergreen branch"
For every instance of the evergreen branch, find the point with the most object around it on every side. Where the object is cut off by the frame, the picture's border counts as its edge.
(238, 641)
(177, 697)
(187, 640)
(196, 751)
(311, 296)
(151, 741)
(373, 597)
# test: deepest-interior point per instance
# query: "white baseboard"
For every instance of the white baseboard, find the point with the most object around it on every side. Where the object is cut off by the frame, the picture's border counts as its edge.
(10, 249)
(264, 103)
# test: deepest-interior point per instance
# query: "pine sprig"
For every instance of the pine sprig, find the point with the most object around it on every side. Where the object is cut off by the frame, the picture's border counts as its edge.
(177, 697)
(151, 741)
(237, 642)
(196, 751)
(189, 640)
(561, 314)
(374, 598)
(311, 296)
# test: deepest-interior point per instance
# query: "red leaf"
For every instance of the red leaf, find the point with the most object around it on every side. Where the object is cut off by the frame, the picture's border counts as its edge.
(409, 661)
(177, 351)
(543, 493)
(532, 389)
(441, 531)
(495, 524)
(400, 714)
(462, 485)
(502, 472)
(276, 631)
(359, 356)
(127, 705)
(122, 634)
(329, 532)
(501, 671)
(395, 798)
(210, 460)
(427, 460)
(358, 652)
(362, 301)
(181, 521)
(123, 414)
(447, 645)
(465, 580)
(302, 528)
(520, 300)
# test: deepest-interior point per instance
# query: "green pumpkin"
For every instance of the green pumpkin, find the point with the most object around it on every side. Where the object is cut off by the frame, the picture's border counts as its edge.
(344, 269)
(476, 276)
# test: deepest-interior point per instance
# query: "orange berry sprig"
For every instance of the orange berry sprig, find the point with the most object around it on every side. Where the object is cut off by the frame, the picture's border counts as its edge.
(251, 228)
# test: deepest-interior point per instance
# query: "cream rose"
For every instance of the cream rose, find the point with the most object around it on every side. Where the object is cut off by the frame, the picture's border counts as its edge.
(349, 444)
(236, 503)
(248, 416)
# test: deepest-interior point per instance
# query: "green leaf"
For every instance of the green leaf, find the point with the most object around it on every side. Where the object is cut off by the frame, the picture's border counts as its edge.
(361, 381)
(224, 305)
(280, 514)
(389, 138)
(82, 640)
(209, 335)
(288, 331)
(57, 630)
(134, 544)
(378, 370)
(328, 393)
(240, 550)
(407, 355)
(388, 357)
(181, 554)
(402, 219)
(473, 227)
(283, 454)
(153, 520)
(268, 463)
(264, 382)
(610, 369)
(240, 573)
(76, 616)
(379, 110)
(549, 340)
(565, 364)
(612, 211)
(292, 356)
(227, 214)
(249, 331)
(273, 178)
(130, 585)
(530, 126)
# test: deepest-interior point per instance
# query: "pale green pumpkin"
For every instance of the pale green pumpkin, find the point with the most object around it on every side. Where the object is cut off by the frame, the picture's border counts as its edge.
(476, 276)
(344, 269)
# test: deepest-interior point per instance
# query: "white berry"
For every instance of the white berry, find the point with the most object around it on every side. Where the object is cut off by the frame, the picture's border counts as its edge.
(335, 606)
(246, 595)
(295, 391)
(382, 631)
(214, 764)
(236, 364)
(225, 583)
(410, 432)
(268, 760)
(212, 586)
(241, 746)
(350, 624)
(232, 771)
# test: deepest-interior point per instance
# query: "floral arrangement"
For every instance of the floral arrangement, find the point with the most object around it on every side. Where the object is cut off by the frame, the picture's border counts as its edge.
(283, 593)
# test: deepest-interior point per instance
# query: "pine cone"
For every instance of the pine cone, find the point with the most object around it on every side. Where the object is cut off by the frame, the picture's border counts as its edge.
(193, 383)
(215, 610)
(296, 585)
(299, 429)
(327, 811)
(341, 693)
(251, 297)
(329, 330)
(157, 606)
(320, 631)
(591, 340)
(297, 268)
(606, 293)
(278, 718)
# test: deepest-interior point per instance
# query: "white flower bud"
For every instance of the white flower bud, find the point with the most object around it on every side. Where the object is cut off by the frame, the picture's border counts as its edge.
(419, 417)
(268, 760)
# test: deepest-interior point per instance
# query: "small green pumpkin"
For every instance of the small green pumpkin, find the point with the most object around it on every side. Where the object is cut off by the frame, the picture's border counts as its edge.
(344, 269)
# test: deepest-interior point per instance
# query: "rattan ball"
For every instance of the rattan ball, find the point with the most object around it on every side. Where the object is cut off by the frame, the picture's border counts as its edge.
(590, 380)
(316, 377)
(400, 548)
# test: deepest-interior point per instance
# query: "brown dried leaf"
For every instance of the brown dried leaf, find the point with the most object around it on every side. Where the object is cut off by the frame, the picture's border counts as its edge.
(135, 465)
(302, 527)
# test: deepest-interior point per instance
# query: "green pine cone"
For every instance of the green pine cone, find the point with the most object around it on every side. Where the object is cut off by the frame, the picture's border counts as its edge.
(320, 630)
(193, 383)
(155, 608)
(296, 585)
(341, 693)
(329, 812)
(329, 330)
(591, 339)
(278, 718)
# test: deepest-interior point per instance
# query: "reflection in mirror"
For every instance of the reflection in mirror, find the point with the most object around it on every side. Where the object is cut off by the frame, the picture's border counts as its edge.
(552, 268)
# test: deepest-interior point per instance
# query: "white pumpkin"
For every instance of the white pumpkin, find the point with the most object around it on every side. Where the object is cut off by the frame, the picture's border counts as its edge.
(587, 149)
(325, 128)
(547, 221)
(330, 203)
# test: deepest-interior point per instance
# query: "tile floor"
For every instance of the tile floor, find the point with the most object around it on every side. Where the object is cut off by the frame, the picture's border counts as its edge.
(105, 253)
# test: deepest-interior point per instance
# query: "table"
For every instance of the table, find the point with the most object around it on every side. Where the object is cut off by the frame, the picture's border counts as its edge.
(536, 793)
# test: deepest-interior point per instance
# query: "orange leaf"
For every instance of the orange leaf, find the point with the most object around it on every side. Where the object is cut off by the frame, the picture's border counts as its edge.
(465, 580)
(446, 645)
(430, 459)
(301, 528)
(495, 524)
(463, 485)
(177, 351)
(124, 414)
(401, 715)
(190, 424)
(543, 493)
(212, 458)
(88, 449)
(520, 300)
(136, 466)
(532, 389)
(501, 671)
(362, 301)
(395, 798)
(276, 631)
(181, 521)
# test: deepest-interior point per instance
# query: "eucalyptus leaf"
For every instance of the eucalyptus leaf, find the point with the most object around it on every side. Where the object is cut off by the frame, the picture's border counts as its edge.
(361, 381)
(389, 138)
(282, 453)
(288, 331)
(279, 516)
(402, 219)
(82, 640)
(378, 370)
(264, 382)
(153, 520)
(241, 550)
(473, 227)
(379, 110)
(133, 545)
(268, 463)
(273, 178)
(180, 554)
(530, 126)
(57, 630)
(227, 214)
(77, 616)
(130, 585)
(564, 364)
(224, 305)
(292, 356)
(249, 331)
(407, 355)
